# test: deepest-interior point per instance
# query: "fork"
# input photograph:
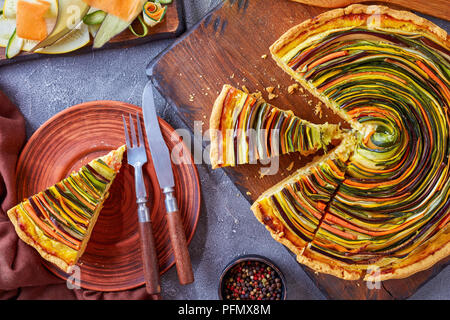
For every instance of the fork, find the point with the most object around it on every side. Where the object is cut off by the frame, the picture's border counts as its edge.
(137, 157)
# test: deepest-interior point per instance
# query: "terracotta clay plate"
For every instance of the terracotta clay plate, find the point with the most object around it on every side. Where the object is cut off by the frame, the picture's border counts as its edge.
(112, 260)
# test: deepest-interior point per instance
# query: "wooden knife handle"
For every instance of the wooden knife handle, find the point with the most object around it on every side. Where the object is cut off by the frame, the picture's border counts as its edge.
(149, 258)
(180, 249)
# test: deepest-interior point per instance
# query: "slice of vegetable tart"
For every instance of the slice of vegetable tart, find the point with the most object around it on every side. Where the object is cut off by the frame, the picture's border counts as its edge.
(245, 129)
(58, 222)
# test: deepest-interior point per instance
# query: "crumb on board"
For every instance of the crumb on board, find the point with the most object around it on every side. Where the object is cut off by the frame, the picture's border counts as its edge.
(291, 89)
(191, 97)
(264, 56)
(272, 96)
(232, 76)
(318, 109)
(248, 193)
(261, 174)
(257, 94)
(270, 89)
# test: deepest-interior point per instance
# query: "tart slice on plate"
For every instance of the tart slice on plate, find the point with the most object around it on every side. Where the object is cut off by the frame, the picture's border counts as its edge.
(58, 222)
(244, 129)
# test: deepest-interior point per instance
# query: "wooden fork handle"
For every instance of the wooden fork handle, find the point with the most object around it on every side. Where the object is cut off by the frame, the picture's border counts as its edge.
(149, 254)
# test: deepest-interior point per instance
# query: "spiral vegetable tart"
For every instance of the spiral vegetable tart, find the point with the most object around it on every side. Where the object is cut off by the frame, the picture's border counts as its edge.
(58, 222)
(387, 73)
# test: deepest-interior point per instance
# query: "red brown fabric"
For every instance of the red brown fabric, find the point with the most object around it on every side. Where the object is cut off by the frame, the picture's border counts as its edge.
(22, 274)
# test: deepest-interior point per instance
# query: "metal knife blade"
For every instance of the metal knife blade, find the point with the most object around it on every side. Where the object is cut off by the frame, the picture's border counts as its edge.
(158, 148)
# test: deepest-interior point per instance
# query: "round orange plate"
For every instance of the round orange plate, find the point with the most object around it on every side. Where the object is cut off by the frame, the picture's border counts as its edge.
(73, 137)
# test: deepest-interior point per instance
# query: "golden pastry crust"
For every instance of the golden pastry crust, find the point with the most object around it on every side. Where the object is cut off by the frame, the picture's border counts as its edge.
(391, 19)
(23, 234)
(422, 258)
(336, 268)
(436, 248)
(278, 231)
(214, 127)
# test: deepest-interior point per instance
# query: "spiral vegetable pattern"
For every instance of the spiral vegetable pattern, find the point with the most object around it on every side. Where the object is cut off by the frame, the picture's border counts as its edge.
(396, 191)
(247, 129)
(393, 191)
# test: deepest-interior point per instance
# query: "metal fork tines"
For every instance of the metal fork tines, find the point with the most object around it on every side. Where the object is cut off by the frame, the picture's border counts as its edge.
(137, 157)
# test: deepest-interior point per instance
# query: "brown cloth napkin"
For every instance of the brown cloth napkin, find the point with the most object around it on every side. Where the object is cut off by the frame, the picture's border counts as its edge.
(22, 274)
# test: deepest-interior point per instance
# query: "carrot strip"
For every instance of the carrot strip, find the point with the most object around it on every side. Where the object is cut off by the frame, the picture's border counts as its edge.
(333, 219)
(292, 192)
(319, 179)
(328, 57)
(433, 76)
(335, 168)
(338, 232)
(321, 205)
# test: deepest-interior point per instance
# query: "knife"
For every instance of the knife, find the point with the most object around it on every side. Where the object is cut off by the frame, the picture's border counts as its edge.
(163, 167)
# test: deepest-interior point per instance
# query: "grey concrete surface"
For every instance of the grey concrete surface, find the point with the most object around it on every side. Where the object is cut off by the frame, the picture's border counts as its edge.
(226, 228)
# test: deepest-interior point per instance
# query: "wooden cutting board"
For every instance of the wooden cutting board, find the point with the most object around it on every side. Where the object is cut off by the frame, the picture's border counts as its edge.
(172, 26)
(229, 46)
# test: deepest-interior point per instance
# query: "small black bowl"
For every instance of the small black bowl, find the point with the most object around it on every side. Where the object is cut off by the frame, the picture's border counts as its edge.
(251, 258)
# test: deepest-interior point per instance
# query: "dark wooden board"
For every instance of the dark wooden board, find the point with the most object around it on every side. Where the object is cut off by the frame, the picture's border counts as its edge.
(227, 47)
(172, 26)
